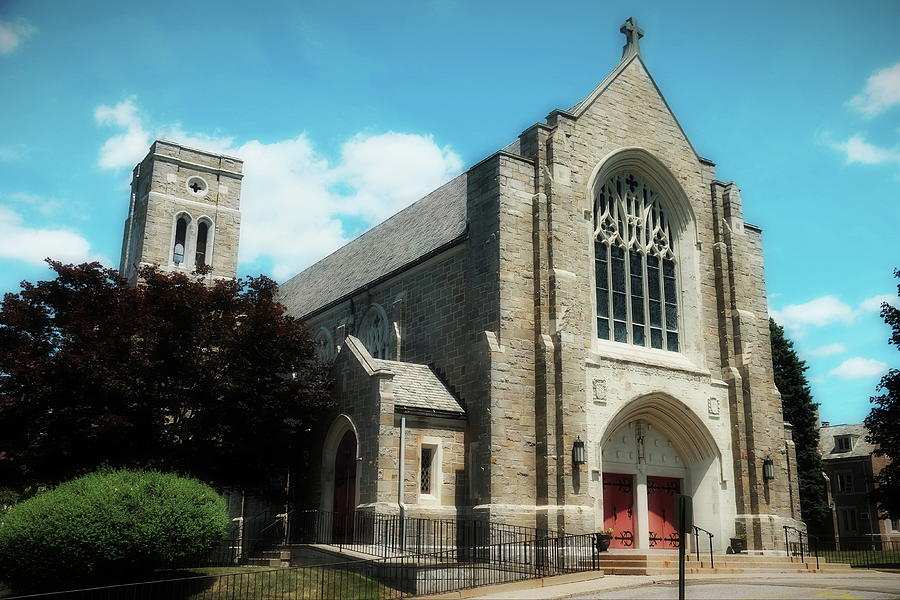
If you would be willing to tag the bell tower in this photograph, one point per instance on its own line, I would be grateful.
(184, 212)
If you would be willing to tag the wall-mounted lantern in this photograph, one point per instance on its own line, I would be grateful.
(578, 452)
(768, 469)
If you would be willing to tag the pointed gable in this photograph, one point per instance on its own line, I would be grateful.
(630, 94)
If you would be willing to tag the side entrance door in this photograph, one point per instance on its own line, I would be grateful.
(661, 508)
(618, 508)
(344, 489)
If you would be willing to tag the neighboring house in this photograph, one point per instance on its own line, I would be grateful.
(564, 336)
(850, 468)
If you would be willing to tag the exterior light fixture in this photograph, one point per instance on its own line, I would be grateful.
(578, 452)
(768, 469)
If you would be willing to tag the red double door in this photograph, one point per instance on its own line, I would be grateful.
(618, 510)
(661, 511)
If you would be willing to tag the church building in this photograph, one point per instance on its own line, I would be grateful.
(564, 336)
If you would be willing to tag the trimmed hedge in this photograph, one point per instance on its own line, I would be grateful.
(108, 527)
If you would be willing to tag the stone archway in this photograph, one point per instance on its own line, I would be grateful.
(340, 476)
(654, 448)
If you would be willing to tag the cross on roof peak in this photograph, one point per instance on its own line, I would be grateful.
(633, 33)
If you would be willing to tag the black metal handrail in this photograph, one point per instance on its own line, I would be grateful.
(800, 535)
(710, 536)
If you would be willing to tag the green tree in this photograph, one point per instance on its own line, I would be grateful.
(213, 380)
(883, 422)
(801, 412)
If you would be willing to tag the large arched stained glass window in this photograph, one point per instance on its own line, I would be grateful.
(637, 292)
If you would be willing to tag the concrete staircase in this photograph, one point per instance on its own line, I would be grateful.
(652, 563)
(270, 558)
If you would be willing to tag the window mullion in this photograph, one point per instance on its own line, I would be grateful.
(646, 280)
(629, 322)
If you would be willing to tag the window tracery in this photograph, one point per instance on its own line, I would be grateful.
(375, 333)
(325, 350)
(634, 252)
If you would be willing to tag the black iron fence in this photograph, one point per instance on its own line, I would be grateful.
(380, 578)
(869, 553)
(872, 552)
(390, 535)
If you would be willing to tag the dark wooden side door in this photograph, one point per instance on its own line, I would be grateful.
(344, 488)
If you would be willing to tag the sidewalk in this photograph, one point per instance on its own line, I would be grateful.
(566, 586)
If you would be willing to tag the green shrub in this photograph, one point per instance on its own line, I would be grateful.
(107, 527)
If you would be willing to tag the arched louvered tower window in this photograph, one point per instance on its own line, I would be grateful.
(201, 253)
(178, 249)
(637, 288)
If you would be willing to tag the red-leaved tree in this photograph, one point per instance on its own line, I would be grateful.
(208, 379)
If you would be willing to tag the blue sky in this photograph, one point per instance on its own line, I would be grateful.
(799, 102)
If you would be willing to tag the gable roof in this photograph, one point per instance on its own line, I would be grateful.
(418, 387)
(425, 227)
(828, 447)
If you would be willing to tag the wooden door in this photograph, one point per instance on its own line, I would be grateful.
(661, 508)
(618, 508)
(344, 503)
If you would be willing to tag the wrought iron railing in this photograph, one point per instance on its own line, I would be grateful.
(389, 535)
(379, 578)
(867, 553)
(801, 547)
(709, 536)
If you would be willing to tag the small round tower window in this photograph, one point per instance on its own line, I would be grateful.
(196, 185)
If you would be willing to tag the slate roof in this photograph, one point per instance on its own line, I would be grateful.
(424, 226)
(828, 448)
(417, 386)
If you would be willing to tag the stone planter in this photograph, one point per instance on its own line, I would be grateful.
(738, 545)
(602, 541)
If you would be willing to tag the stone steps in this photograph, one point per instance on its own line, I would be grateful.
(270, 558)
(667, 564)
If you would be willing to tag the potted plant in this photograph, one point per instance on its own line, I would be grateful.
(738, 544)
(603, 539)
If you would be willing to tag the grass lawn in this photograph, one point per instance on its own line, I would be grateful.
(286, 584)
(228, 583)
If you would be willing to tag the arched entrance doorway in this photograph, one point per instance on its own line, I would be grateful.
(652, 450)
(340, 477)
(344, 497)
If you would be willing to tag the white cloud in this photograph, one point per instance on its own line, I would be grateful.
(7, 153)
(874, 303)
(293, 200)
(125, 149)
(817, 312)
(857, 368)
(33, 245)
(829, 349)
(13, 33)
(858, 150)
(882, 91)
(370, 165)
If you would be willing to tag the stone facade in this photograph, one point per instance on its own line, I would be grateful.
(492, 282)
(160, 193)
